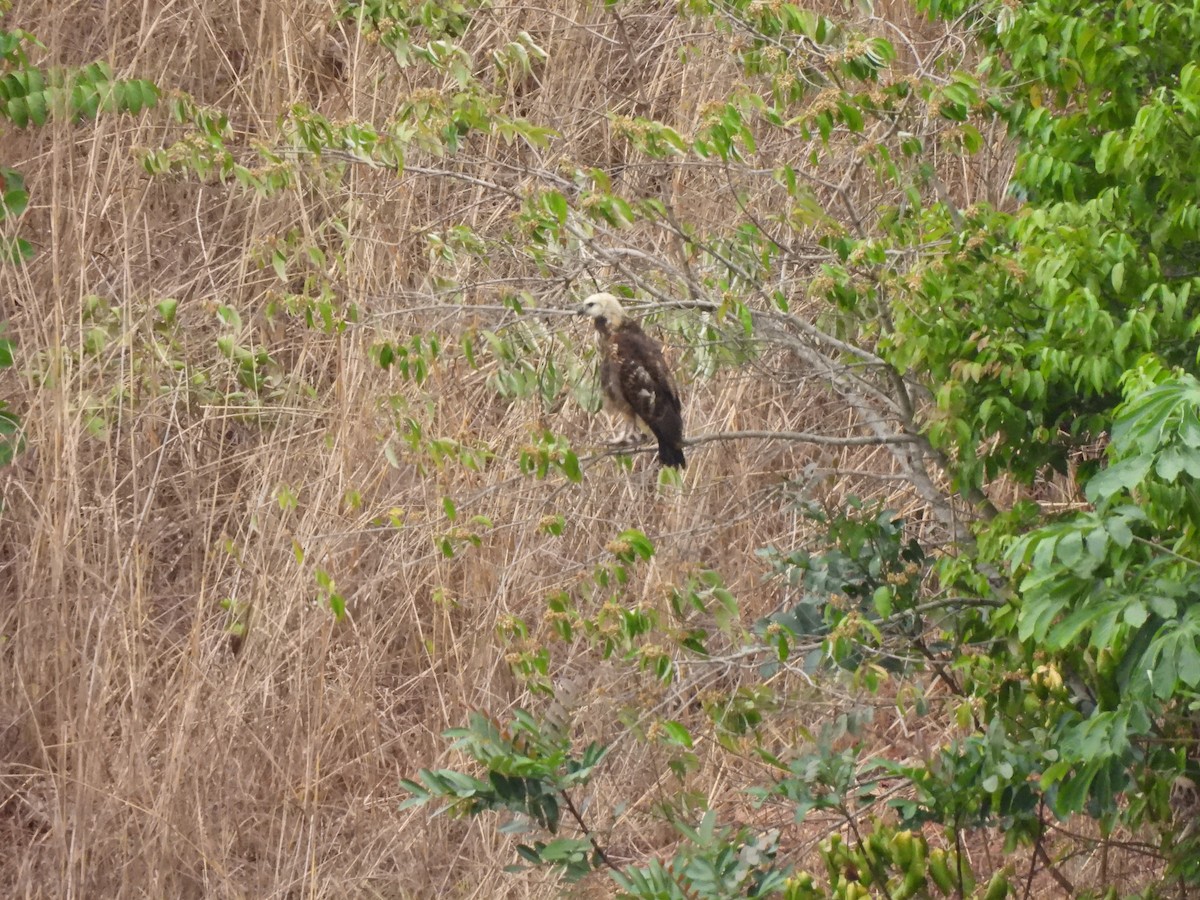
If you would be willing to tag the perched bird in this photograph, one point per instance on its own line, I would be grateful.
(634, 376)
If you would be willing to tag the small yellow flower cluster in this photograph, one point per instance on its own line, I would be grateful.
(712, 110)
(905, 575)
(426, 97)
(826, 100)
(773, 58)
(618, 547)
(865, 149)
(1011, 267)
(822, 284)
(1047, 677)
(625, 127)
(853, 50)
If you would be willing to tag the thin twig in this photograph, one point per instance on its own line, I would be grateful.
(587, 832)
(803, 437)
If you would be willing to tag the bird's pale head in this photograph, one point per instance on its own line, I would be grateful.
(604, 309)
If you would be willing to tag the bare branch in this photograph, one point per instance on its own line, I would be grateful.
(803, 437)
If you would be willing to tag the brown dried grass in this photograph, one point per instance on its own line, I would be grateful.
(140, 756)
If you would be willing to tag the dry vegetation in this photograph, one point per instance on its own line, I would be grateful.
(140, 755)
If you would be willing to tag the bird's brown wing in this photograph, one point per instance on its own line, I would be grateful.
(645, 381)
(647, 386)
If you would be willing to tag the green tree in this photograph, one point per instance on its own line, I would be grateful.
(1049, 331)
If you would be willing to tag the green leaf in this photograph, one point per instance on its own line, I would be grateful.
(1119, 530)
(638, 542)
(419, 797)
(10, 441)
(1189, 660)
(1121, 476)
(677, 734)
(561, 849)
(337, 603)
(882, 598)
(386, 356)
(1070, 549)
(1163, 607)
(15, 202)
(1065, 632)
(1136, 614)
(570, 467)
(557, 204)
(229, 316)
(167, 309)
(1174, 460)
(14, 250)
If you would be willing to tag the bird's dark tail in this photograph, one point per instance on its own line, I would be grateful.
(670, 455)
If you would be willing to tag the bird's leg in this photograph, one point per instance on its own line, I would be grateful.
(619, 437)
(636, 436)
(627, 435)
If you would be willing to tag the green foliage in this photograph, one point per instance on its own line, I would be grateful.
(307, 265)
(431, 452)
(414, 360)
(526, 364)
(1073, 321)
(714, 862)
(530, 772)
(29, 97)
(205, 152)
(11, 441)
(862, 589)
(328, 595)
(599, 613)
(1030, 320)
(32, 96)
(13, 201)
(548, 451)
(416, 31)
(1107, 593)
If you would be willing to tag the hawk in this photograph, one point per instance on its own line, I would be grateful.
(634, 376)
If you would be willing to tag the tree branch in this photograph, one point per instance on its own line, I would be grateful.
(803, 437)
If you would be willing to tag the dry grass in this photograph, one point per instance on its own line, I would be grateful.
(139, 755)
